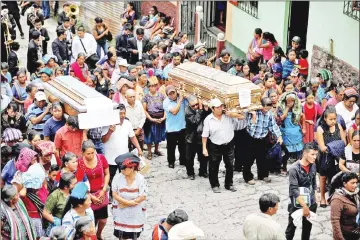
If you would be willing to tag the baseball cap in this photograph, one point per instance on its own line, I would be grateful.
(123, 62)
(47, 71)
(80, 191)
(40, 96)
(215, 103)
(170, 89)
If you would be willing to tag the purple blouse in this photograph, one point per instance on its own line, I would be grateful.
(154, 103)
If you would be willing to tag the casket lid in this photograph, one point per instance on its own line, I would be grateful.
(213, 78)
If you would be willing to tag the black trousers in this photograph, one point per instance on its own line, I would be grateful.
(17, 20)
(306, 225)
(256, 149)
(112, 169)
(191, 150)
(240, 148)
(216, 153)
(173, 139)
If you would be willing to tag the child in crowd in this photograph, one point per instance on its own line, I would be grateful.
(303, 64)
(52, 184)
(31, 89)
(312, 110)
(39, 65)
(277, 69)
(261, 75)
(149, 68)
(5, 71)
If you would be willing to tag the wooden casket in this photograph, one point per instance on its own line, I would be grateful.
(92, 108)
(207, 83)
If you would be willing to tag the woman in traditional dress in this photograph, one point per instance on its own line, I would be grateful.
(129, 190)
(154, 127)
(289, 113)
(15, 221)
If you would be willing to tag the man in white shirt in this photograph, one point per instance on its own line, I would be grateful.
(259, 226)
(115, 139)
(136, 115)
(87, 40)
(217, 136)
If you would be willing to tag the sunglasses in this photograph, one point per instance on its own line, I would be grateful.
(196, 104)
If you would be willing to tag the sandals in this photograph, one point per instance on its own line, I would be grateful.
(158, 153)
(149, 156)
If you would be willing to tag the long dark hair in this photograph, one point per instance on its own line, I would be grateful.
(278, 50)
(269, 37)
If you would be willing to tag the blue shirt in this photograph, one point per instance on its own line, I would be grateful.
(265, 122)
(21, 95)
(174, 123)
(51, 126)
(8, 172)
(35, 111)
(8, 76)
(287, 68)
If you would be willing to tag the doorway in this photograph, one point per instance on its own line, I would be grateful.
(220, 15)
(298, 21)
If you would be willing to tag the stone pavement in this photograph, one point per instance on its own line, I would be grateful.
(220, 216)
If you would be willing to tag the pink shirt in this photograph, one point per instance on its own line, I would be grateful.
(332, 102)
(267, 52)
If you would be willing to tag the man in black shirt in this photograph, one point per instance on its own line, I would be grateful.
(60, 47)
(195, 113)
(302, 187)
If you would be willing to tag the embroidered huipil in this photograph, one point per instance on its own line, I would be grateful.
(129, 219)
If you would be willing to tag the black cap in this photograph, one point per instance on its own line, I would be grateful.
(121, 158)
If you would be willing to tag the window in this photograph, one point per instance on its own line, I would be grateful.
(352, 9)
(250, 7)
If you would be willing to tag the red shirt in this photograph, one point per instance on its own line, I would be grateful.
(306, 168)
(30, 206)
(304, 64)
(309, 112)
(68, 141)
(96, 176)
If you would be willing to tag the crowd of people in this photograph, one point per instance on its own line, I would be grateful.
(60, 182)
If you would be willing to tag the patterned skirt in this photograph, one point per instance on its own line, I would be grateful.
(37, 223)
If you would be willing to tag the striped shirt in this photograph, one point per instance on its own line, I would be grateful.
(71, 218)
(265, 122)
(33, 112)
(159, 232)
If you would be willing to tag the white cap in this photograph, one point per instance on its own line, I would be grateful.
(123, 62)
(185, 231)
(40, 96)
(215, 102)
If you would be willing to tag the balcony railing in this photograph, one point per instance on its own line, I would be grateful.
(352, 9)
(250, 7)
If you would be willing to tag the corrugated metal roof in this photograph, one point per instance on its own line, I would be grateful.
(109, 11)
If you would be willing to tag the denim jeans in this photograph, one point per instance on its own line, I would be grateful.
(45, 4)
(103, 46)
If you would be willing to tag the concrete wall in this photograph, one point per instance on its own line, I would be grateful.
(240, 25)
(327, 21)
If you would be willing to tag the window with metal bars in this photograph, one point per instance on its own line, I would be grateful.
(352, 9)
(250, 7)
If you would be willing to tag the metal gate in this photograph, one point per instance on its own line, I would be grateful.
(187, 17)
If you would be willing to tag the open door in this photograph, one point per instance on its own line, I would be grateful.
(220, 15)
(298, 21)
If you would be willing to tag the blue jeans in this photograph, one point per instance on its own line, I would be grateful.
(103, 46)
(45, 5)
(99, 146)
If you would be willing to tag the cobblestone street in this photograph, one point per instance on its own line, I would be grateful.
(220, 216)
